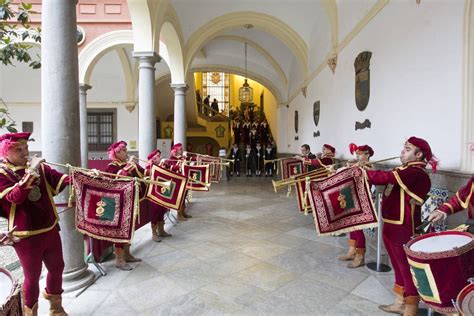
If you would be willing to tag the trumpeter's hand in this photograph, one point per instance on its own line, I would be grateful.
(437, 216)
(35, 161)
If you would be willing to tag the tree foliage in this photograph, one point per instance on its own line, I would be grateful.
(15, 29)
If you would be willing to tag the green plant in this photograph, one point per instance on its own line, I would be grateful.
(15, 29)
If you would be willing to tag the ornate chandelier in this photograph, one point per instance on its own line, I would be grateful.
(246, 91)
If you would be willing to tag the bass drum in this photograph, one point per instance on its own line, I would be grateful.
(10, 295)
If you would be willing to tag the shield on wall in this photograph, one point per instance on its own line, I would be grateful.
(296, 122)
(316, 112)
(362, 80)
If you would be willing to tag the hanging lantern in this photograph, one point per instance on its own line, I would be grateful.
(246, 91)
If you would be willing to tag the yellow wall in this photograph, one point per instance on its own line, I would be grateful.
(236, 82)
(198, 82)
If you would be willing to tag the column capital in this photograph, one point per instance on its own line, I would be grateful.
(83, 87)
(148, 56)
(181, 87)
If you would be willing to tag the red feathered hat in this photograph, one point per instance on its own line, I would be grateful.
(327, 146)
(367, 149)
(153, 154)
(15, 137)
(425, 149)
(116, 144)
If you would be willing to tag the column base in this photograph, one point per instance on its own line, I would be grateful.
(77, 279)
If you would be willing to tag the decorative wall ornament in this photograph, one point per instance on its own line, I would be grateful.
(168, 131)
(130, 107)
(215, 77)
(296, 122)
(332, 63)
(316, 112)
(365, 124)
(316, 134)
(220, 130)
(297, 138)
(362, 80)
(303, 91)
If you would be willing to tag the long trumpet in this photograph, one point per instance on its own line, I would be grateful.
(202, 155)
(265, 161)
(159, 183)
(316, 174)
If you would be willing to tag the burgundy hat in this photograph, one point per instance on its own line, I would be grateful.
(177, 146)
(367, 149)
(425, 149)
(116, 144)
(327, 146)
(15, 137)
(153, 153)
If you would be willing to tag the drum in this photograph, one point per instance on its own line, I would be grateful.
(10, 295)
(465, 300)
(441, 264)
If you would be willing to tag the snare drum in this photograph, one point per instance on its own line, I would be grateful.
(440, 264)
(465, 300)
(10, 295)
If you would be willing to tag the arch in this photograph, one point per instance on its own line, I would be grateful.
(142, 24)
(175, 61)
(91, 54)
(333, 16)
(262, 51)
(128, 75)
(266, 23)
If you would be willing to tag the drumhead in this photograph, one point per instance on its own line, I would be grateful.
(6, 286)
(439, 243)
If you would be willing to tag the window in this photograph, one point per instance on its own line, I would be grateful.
(100, 130)
(216, 85)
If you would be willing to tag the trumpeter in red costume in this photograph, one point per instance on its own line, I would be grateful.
(26, 201)
(406, 190)
(122, 165)
(356, 251)
(324, 159)
(174, 163)
(157, 211)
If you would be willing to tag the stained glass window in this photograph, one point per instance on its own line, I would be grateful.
(216, 85)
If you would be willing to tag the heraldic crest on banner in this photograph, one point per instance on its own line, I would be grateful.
(214, 167)
(198, 177)
(106, 208)
(342, 203)
(291, 167)
(169, 197)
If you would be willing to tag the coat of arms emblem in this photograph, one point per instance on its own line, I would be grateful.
(362, 80)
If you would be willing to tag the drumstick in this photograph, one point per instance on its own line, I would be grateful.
(8, 233)
(424, 226)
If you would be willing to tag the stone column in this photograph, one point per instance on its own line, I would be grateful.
(60, 122)
(180, 113)
(83, 123)
(146, 102)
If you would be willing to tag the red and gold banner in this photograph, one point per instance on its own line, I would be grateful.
(106, 208)
(214, 163)
(342, 203)
(198, 177)
(291, 167)
(304, 205)
(172, 196)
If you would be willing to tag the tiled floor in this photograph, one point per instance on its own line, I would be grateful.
(246, 251)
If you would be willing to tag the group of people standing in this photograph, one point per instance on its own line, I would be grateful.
(258, 146)
(27, 185)
(406, 188)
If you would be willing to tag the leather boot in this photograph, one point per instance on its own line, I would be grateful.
(55, 304)
(181, 216)
(351, 252)
(128, 255)
(30, 311)
(358, 260)
(186, 215)
(120, 261)
(397, 307)
(161, 230)
(411, 307)
(154, 233)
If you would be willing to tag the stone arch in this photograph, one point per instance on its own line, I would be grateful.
(169, 37)
(264, 22)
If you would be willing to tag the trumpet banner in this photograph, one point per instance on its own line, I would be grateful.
(169, 197)
(291, 167)
(214, 167)
(342, 203)
(303, 199)
(198, 173)
(106, 208)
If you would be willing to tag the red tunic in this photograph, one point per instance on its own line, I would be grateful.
(406, 190)
(463, 199)
(173, 163)
(29, 217)
(321, 162)
(128, 169)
